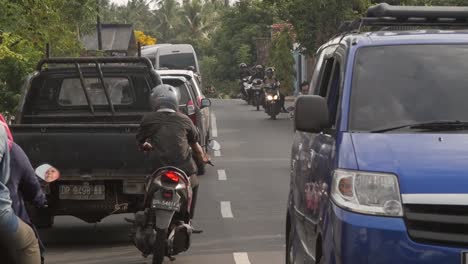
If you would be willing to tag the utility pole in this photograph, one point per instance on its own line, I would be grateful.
(98, 26)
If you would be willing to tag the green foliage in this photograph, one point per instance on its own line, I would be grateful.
(315, 21)
(26, 27)
(234, 41)
(282, 59)
(208, 66)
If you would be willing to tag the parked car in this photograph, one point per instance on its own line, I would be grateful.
(197, 106)
(379, 159)
(82, 115)
(183, 86)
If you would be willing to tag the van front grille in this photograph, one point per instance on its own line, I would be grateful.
(437, 224)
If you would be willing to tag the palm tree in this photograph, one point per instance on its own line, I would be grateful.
(167, 18)
(200, 19)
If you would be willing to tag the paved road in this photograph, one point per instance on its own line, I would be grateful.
(241, 205)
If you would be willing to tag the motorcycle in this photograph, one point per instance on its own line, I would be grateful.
(256, 94)
(245, 89)
(272, 103)
(163, 226)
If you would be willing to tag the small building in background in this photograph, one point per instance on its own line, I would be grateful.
(117, 40)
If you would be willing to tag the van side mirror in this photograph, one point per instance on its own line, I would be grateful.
(311, 114)
(205, 102)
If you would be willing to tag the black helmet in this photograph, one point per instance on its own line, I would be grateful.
(164, 96)
(269, 72)
(242, 66)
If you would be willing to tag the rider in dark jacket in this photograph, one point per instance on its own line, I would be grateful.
(270, 79)
(244, 71)
(171, 136)
(24, 186)
(259, 73)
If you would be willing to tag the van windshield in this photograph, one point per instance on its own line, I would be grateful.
(407, 84)
(179, 61)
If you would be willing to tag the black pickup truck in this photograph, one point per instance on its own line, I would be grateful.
(82, 115)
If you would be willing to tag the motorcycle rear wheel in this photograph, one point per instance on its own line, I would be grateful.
(160, 246)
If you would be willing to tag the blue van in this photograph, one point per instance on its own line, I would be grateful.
(379, 167)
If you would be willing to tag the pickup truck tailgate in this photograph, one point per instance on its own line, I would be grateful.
(98, 150)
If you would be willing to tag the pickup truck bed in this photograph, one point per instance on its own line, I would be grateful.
(81, 115)
(94, 154)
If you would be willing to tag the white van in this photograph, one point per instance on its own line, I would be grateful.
(172, 57)
(151, 52)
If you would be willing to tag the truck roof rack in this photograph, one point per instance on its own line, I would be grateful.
(97, 61)
(385, 15)
(94, 60)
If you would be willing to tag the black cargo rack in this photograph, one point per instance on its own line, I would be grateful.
(385, 15)
(97, 61)
(94, 60)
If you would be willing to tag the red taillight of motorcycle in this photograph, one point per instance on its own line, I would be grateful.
(170, 176)
(191, 112)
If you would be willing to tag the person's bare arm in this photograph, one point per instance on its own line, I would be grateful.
(199, 154)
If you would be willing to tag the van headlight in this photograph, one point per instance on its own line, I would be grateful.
(367, 192)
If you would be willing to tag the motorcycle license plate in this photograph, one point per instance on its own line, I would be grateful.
(85, 191)
(172, 204)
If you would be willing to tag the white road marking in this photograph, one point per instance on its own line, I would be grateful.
(217, 153)
(214, 129)
(222, 175)
(241, 258)
(226, 211)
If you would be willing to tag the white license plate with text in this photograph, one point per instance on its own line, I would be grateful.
(82, 192)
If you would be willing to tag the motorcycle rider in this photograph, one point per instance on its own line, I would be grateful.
(259, 72)
(243, 73)
(271, 80)
(18, 243)
(171, 137)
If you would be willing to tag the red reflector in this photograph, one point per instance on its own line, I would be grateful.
(191, 112)
(167, 194)
(172, 176)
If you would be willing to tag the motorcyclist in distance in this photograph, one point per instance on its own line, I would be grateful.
(243, 71)
(259, 72)
(271, 81)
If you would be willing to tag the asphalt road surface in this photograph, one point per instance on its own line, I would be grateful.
(241, 205)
